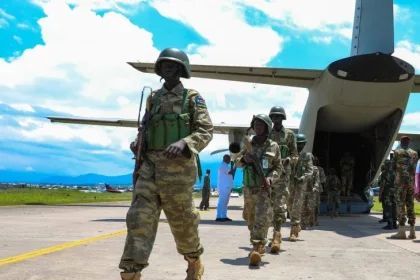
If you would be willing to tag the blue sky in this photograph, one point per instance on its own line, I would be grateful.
(63, 58)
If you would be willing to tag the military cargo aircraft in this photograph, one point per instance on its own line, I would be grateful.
(356, 104)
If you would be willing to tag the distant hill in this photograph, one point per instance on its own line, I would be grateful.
(93, 179)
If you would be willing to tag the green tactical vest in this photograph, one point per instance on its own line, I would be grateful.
(284, 150)
(250, 176)
(166, 129)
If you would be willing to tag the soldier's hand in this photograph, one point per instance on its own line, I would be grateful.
(267, 182)
(248, 158)
(299, 179)
(175, 149)
(286, 160)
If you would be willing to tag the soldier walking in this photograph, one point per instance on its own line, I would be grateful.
(322, 180)
(169, 170)
(205, 192)
(266, 153)
(286, 140)
(333, 188)
(303, 172)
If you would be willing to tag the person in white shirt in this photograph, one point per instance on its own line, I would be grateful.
(224, 186)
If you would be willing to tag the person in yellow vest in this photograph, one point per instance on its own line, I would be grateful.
(178, 127)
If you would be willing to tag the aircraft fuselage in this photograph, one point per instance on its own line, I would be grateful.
(357, 105)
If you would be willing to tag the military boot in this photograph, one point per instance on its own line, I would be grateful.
(130, 275)
(195, 268)
(388, 226)
(294, 232)
(255, 256)
(312, 220)
(400, 234)
(412, 234)
(275, 244)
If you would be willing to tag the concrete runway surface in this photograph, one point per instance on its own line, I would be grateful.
(85, 242)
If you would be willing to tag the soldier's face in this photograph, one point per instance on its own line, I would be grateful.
(169, 69)
(259, 127)
(405, 142)
(277, 120)
(300, 146)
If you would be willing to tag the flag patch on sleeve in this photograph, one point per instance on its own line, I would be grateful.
(200, 102)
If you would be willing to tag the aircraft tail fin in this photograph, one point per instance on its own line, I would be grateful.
(373, 27)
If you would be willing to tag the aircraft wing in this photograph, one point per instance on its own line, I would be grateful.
(221, 128)
(301, 78)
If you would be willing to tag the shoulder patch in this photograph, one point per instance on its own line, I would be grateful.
(200, 102)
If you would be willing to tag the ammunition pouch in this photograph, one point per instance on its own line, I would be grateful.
(284, 151)
(251, 177)
(166, 129)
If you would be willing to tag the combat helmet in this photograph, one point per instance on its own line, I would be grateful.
(175, 55)
(300, 138)
(278, 110)
(265, 119)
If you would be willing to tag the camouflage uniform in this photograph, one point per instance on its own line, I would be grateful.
(404, 163)
(286, 140)
(389, 196)
(309, 199)
(258, 200)
(318, 194)
(168, 183)
(347, 174)
(205, 193)
(333, 188)
(302, 174)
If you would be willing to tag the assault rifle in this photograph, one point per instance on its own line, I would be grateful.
(141, 137)
(256, 164)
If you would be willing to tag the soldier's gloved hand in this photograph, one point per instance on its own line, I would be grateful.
(175, 149)
(248, 158)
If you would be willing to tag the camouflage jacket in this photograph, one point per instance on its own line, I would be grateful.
(332, 184)
(386, 181)
(314, 183)
(304, 167)
(347, 165)
(271, 158)
(404, 164)
(321, 177)
(202, 126)
(286, 140)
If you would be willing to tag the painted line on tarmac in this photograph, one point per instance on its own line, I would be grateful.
(49, 250)
(59, 247)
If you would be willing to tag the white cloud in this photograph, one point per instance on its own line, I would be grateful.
(89, 52)
(4, 14)
(22, 107)
(3, 23)
(324, 39)
(409, 52)
(30, 168)
(17, 39)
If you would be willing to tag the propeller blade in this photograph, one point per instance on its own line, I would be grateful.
(219, 151)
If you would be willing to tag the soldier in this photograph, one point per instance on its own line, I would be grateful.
(389, 197)
(333, 188)
(303, 172)
(404, 165)
(381, 196)
(169, 169)
(320, 190)
(256, 193)
(309, 199)
(286, 140)
(347, 173)
(205, 192)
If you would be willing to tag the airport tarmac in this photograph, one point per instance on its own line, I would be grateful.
(85, 242)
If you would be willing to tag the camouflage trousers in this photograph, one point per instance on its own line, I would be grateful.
(347, 183)
(297, 203)
(175, 197)
(406, 200)
(279, 197)
(333, 202)
(389, 204)
(318, 205)
(308, 207)
(205, 198)
(258, 207)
